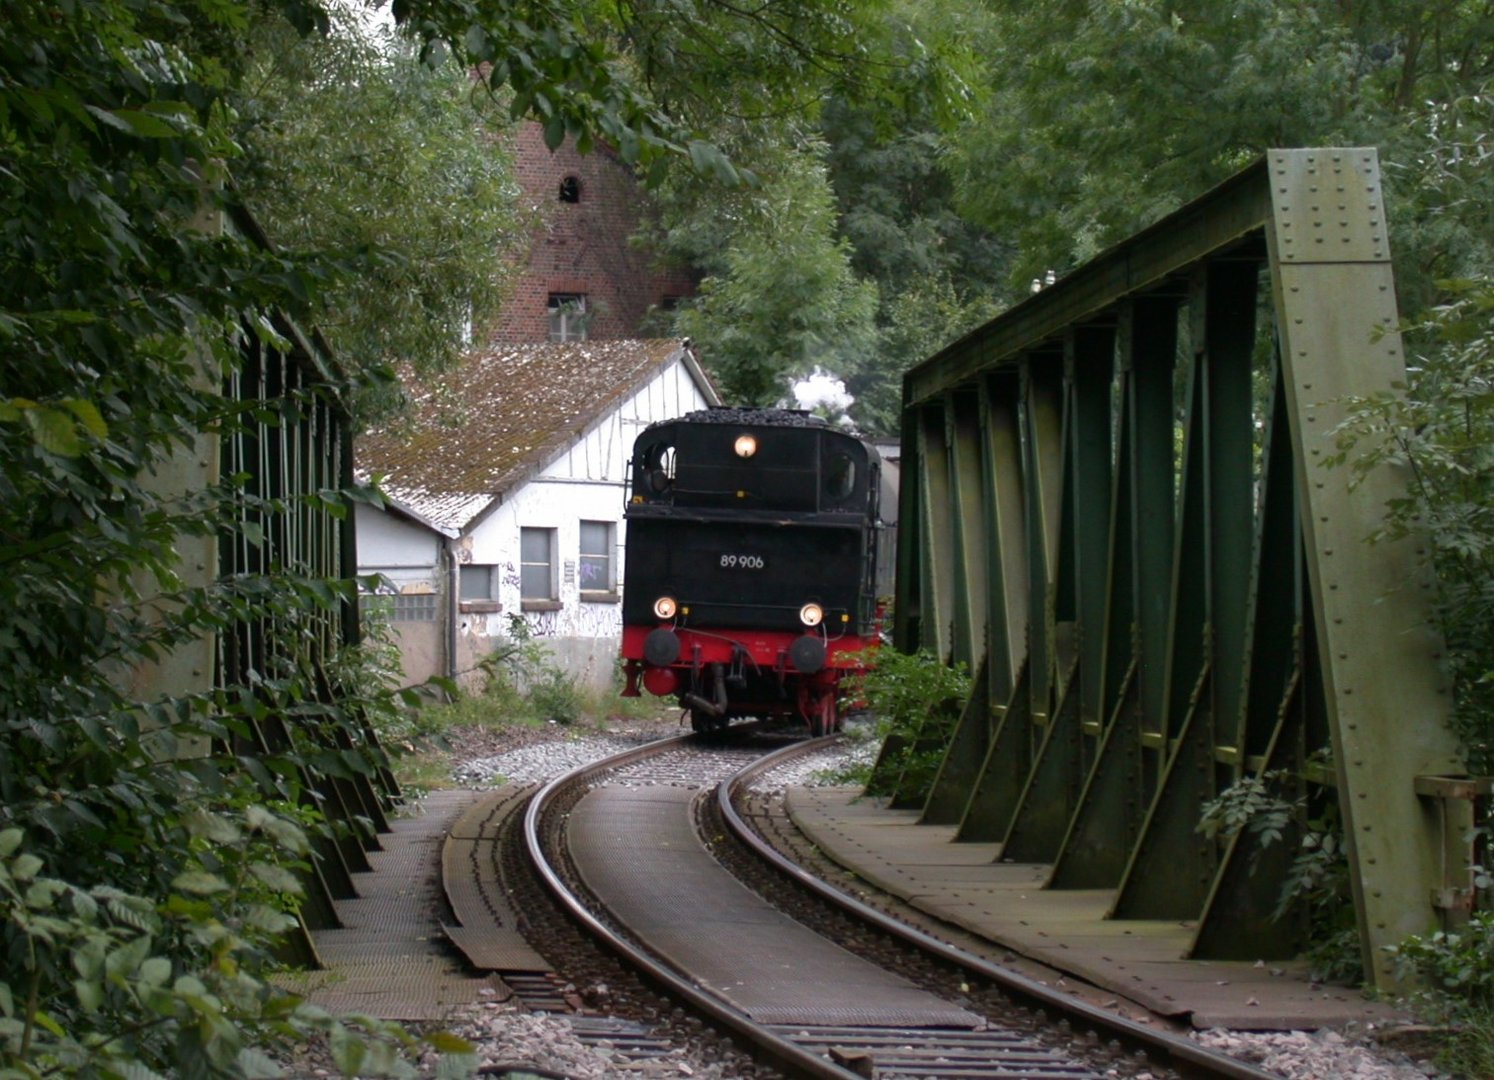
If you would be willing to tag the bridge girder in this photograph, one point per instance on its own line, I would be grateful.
(1117, 511)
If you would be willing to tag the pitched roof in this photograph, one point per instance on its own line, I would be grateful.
(499, 417)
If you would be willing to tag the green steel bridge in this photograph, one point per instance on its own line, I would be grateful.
(1117, 510)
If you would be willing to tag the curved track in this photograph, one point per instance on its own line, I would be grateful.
(619, 846)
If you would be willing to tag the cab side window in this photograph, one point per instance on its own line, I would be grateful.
(840, 476)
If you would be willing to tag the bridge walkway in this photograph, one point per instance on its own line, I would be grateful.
(1142, 960)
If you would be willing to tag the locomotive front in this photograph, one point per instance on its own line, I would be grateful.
(750, 573)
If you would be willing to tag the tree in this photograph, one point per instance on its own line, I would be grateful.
(938, 273)
(1101, 117)
(142, 890)
(389, 172)
(778, 297)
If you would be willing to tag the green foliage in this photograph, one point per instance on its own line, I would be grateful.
(1456, 966)
(778, 297)
(1249, 805)
(916, 700)
(392, 173)
(1101, 117)
(97, 986)
(521, 671)
(1456, 971)
(914, 323)
(1317, 880)
(151, 834)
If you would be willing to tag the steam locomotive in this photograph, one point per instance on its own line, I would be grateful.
(752, 571)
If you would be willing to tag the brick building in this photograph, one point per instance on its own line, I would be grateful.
(584, 279)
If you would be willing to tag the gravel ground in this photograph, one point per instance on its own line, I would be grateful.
(503, 1034)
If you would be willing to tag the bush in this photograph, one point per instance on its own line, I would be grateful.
(916, 700)
(1456, 967)
(1317, 882)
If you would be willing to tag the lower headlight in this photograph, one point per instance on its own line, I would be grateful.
(665, 607)
(811, 614)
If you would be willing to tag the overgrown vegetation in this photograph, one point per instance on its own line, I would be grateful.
(1456, 967)
(152, 830)
(916, 701)
(1316, 885)
(519, 685)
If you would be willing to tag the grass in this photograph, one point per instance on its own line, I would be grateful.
(421, 747)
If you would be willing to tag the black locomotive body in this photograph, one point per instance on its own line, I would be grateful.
(751, 572)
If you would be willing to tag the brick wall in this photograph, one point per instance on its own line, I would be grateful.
(582, 246)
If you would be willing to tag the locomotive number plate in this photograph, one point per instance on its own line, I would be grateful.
(730, 561)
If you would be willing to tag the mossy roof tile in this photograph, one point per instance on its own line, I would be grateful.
(500, 416)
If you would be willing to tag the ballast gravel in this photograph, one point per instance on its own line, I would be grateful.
(506, 1035)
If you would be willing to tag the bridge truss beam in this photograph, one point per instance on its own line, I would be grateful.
(1117, 512)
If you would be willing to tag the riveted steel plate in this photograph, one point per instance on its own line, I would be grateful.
(637, 850)
(1329, 206)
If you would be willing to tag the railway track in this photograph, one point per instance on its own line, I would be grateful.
(647, 852)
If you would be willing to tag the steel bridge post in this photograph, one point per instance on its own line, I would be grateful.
(1335, 301)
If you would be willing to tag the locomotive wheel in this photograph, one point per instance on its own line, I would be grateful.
(822, 718)
(702, 722)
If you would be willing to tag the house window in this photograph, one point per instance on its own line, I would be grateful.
(570, 190)
(537, 569)
(476, 582)
(567, 316)
(475, 587)
(399, 607)
(598, 570)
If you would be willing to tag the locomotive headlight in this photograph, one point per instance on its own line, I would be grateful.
(745, 446)
(811, 614)
(665, 607)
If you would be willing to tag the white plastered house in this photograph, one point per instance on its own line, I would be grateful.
(505, 490)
